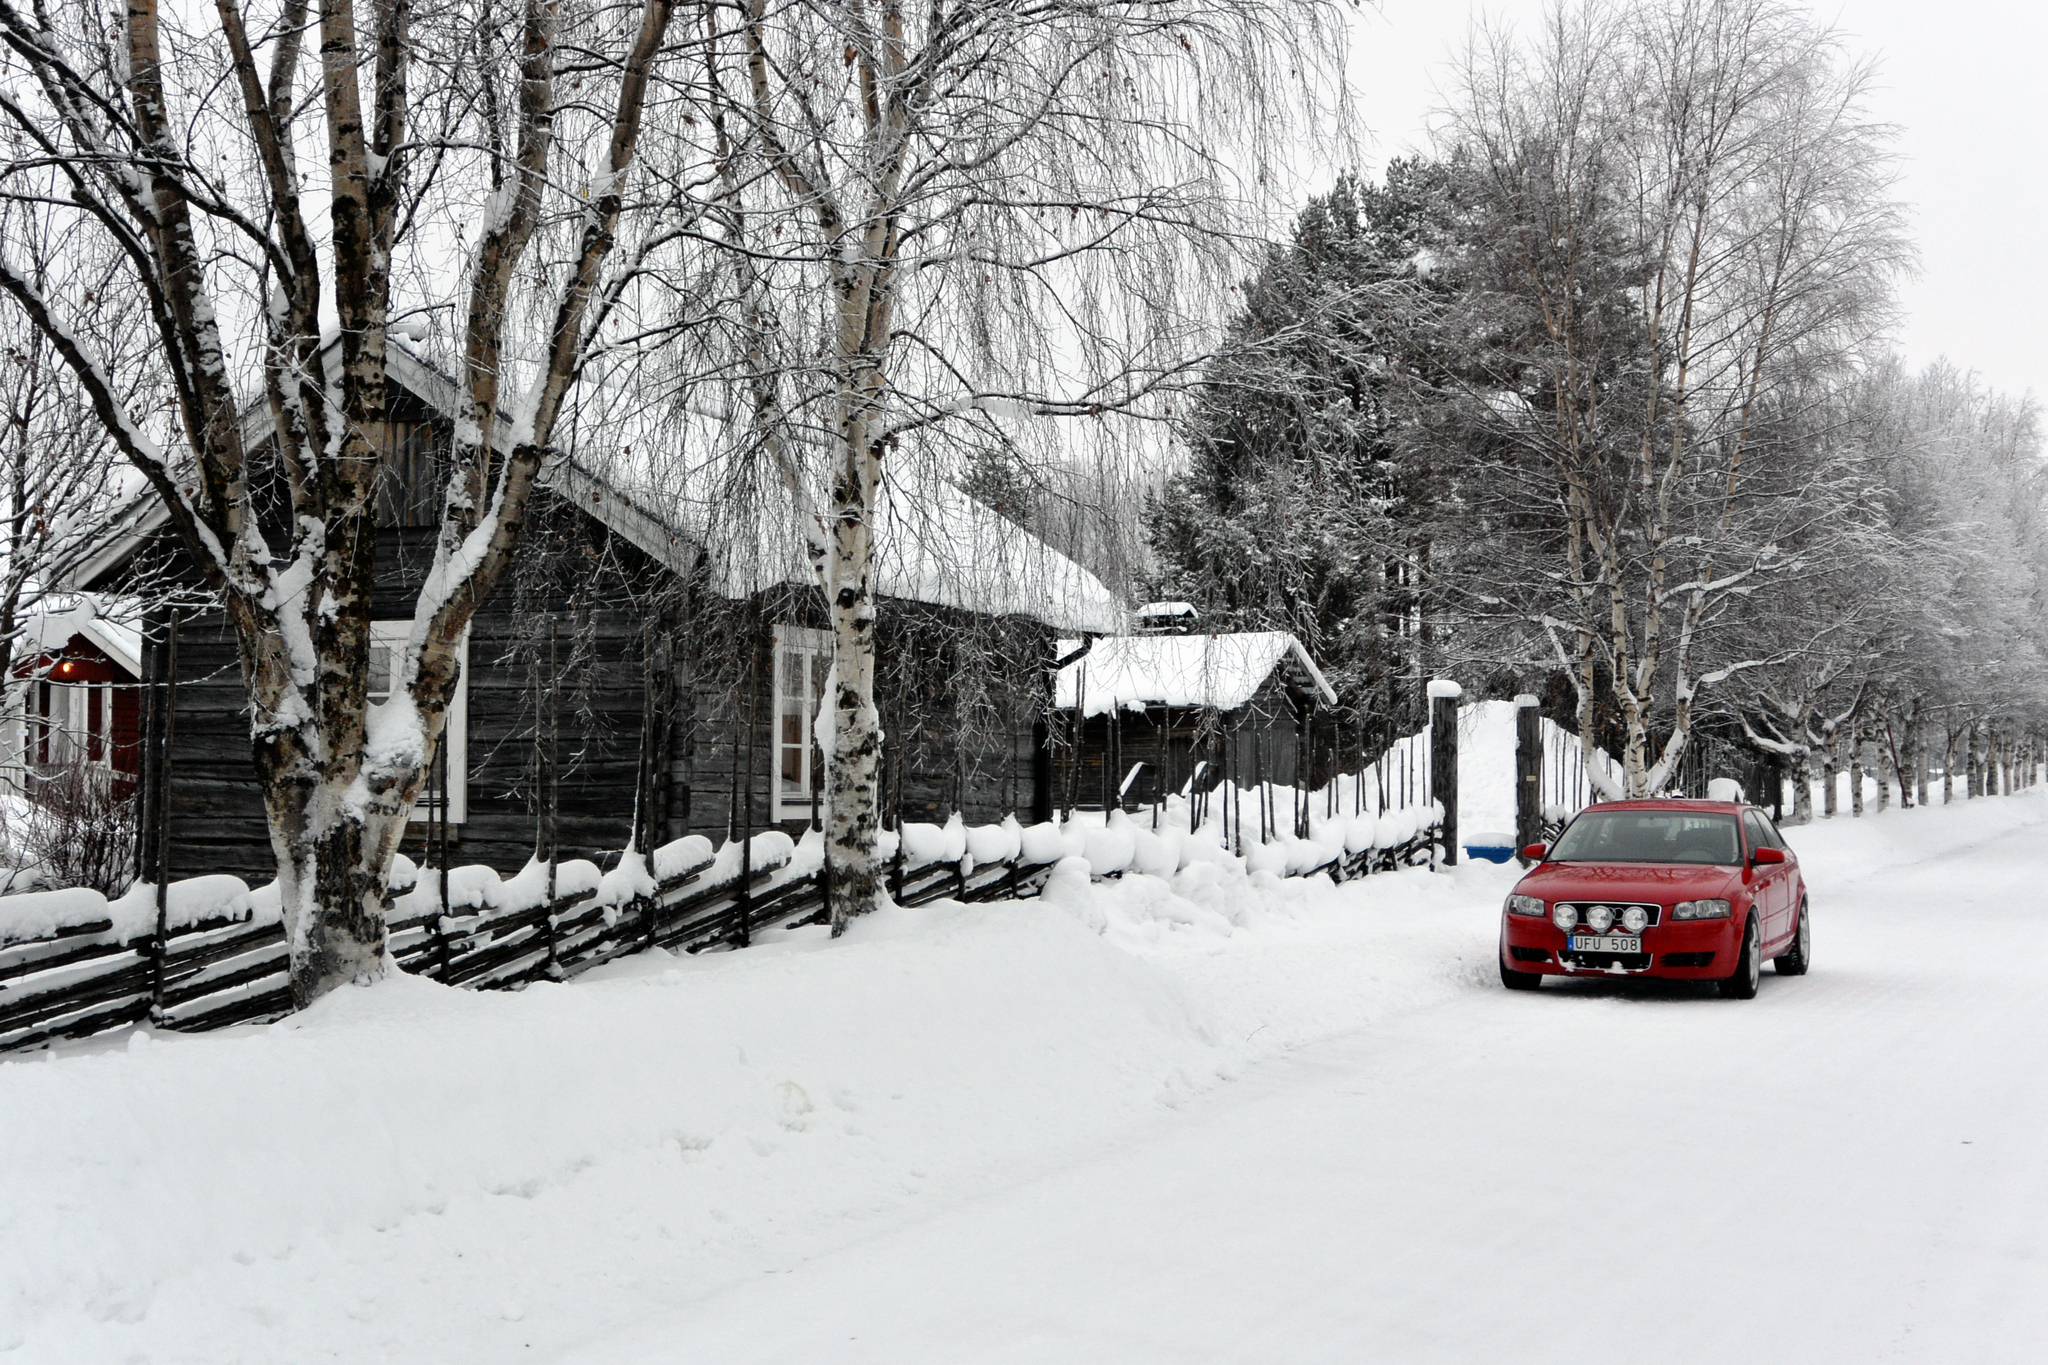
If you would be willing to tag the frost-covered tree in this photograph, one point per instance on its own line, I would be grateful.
(962, 226)
(1306, 502)
(1683, 219)
(283, 189)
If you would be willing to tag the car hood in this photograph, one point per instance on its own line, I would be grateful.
(1655, 882)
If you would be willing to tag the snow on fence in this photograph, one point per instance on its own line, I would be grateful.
(73, 963)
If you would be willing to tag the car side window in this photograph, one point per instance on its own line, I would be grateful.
(1753, 826)
(1771, 833)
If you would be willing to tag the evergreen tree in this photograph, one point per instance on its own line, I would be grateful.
(1305, 504)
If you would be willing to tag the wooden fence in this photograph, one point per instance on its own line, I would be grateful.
(83, 979)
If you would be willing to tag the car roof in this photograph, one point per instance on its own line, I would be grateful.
(1667, 803)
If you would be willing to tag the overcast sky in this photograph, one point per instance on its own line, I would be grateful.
(1962, 80)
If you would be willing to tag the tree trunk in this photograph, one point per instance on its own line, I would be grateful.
(854, 801)
(1802, 789)
(1828, 797)
(1856, 770)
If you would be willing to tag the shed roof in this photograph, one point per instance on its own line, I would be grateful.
(1222, 672)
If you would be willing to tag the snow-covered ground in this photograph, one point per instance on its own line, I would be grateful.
(1260, 1121)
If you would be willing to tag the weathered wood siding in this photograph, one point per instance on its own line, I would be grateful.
(1261, 740)
(960, 697)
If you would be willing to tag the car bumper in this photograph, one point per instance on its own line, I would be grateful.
(1698, 951)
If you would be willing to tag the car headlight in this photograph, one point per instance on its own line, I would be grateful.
(1700, 910)
(1526, 905)
(1599, 918)
(1634, 918)
(1564, 917)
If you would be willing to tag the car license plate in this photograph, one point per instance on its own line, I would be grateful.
(1607, 943)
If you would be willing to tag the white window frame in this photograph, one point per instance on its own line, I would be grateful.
(392, 635)
(811, 644)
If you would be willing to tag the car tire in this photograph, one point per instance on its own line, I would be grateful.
(1519, 981)
(1749, 964)
(1800, 958)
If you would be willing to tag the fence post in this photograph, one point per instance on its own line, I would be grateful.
(159, 949)
(1443, 760)
(1528, 774)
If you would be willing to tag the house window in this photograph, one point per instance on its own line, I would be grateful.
(70, 723)
(802, 659)
(387, 638)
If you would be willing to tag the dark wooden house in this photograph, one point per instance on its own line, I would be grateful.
(627, 670)
(77, 709)
(1144, 715)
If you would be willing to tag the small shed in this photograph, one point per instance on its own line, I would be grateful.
(1145, 715)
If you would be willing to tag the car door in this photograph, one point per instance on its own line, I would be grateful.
(1767, 881)
(1788, 875)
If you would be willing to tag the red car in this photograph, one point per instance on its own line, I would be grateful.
(1690, 890)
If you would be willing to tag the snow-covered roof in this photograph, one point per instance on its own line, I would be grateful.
(933, 543)
(1167, 609)
(49, 631)
(1218, 671)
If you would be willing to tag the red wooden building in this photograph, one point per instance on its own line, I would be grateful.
(77, 702)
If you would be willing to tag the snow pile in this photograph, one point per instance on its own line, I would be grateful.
(428, 1173)
(40, 914)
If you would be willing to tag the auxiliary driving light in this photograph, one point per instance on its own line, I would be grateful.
(1564, 917)
(1599, 918)
(1634, 918)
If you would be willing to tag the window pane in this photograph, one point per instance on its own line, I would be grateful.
(380, 672)
(792, 770)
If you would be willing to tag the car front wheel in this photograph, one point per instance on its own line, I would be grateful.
(1800, 958)
(1749, 965)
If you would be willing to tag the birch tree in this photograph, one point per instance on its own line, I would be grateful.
(285, 188)
(1687, 211)
(954, 221)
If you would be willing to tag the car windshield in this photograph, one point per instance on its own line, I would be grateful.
(1648, 836)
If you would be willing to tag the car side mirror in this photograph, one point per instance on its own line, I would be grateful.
(1766, 857)
(1534, 852)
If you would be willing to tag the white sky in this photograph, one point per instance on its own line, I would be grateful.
(1962, 80)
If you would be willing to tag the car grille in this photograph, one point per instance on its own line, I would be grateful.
(1522, 954)
(1655, 912)
(1688, 959)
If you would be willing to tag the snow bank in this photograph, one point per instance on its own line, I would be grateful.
(1846, 849)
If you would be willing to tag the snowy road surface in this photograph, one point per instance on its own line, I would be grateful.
(1852, 1167)
(1234, 1121)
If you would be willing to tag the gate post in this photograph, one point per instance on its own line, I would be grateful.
(1528, 774)
(1443, 760)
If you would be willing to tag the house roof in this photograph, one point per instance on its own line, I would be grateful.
(1222, 672)
(933, 543)
(51, 632)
